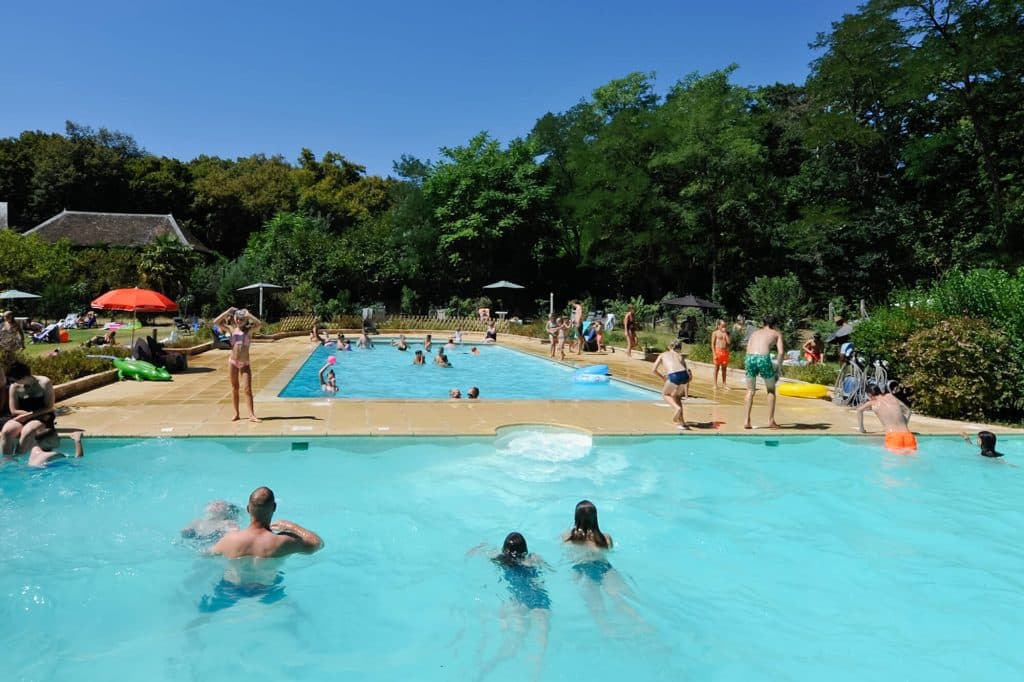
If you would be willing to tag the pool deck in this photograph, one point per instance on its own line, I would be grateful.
(198, 403)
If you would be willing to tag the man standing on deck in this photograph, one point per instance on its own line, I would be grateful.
(264, 539)
(759, 363)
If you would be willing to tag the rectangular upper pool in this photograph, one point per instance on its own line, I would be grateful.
(499, 373)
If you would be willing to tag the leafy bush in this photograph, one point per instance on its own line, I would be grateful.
(964, 368)
(883, 335)
(68, 365)
(818, 373)
(993, 295)
(782, 297)
(701, 352)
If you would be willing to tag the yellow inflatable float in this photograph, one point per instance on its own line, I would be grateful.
(802, 390)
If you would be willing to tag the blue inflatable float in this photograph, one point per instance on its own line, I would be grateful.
(594, 374)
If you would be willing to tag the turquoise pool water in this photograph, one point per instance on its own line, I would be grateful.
(499, 373)
(816, 559)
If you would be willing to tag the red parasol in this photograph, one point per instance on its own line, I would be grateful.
(135, 301)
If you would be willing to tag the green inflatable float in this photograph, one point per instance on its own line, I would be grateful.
(140, 370)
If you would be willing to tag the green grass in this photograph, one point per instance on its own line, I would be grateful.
(77, 337)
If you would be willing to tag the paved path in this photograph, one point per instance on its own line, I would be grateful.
(198, 403)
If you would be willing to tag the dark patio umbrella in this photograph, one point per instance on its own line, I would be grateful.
(261, 286)
(691, 301)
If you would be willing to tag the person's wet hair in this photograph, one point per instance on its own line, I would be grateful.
(514, 549)
(769, 321)
(18, 370)
(874, 389)
(987, 442)
(585, 527)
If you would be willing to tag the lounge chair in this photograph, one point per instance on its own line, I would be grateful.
(49, 334)
(182, 326)
(69, 322)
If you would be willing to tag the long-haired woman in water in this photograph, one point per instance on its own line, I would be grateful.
(585, 530)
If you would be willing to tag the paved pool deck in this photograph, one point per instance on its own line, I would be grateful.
(198, 403)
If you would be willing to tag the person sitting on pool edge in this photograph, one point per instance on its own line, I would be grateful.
(473, 393)
(418, 358)
(265, 538)
(894, 416)
(986, 443)
(328, 381)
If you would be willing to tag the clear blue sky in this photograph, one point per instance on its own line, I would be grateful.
(369, 80)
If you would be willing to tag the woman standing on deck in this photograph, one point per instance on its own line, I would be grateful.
(242, 324)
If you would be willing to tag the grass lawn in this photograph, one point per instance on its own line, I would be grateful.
(76, 337)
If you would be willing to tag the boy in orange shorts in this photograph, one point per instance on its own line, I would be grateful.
(720, 343)
(894, 416)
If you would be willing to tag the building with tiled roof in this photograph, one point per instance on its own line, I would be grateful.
(85, 228)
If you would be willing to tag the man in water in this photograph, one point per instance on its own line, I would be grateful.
(263, 538)
(759, 363)
(720, 343)
(418, 358)
(894, 416)
(474, 393)
(676, 377)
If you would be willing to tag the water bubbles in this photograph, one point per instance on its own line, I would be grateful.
(544, 444)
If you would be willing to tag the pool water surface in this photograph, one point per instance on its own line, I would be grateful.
(499, 373)
(734, 559)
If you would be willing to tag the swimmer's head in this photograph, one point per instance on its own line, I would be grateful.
(473, 393)
(262, 504)
(222, 509)
(987, 441)
(586, 516)
(48, 440)
(874, 390)
(769, 321)
(455, 393)
(514, 546)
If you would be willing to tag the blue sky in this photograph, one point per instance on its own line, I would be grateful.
(369, 80)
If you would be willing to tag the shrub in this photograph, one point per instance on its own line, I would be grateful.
(818, 373)
(993, 295)
(883, 335)
(701, 352)
(963, 368)
(73, 364)
(782, 297)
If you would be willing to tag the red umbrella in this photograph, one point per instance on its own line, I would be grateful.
(135, 301)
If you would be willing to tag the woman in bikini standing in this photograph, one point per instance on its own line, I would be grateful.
(242, 324)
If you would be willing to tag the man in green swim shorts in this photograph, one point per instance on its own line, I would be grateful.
(759, 363)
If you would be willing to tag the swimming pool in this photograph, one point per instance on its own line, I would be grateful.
(817, 558)
(499, 373)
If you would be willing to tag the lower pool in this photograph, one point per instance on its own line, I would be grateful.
(734, 559)
(499, 373)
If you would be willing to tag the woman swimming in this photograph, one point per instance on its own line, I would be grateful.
(522, 573)
(328, 382)
(242, 325)
(585, 530)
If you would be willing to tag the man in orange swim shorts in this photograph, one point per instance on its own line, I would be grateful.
(720, 342)
(894, 416)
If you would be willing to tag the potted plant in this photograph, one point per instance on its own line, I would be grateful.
(649, 345)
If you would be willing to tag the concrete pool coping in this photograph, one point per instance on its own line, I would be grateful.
(198, 403)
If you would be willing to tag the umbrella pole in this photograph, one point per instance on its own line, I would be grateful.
(261, 303)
